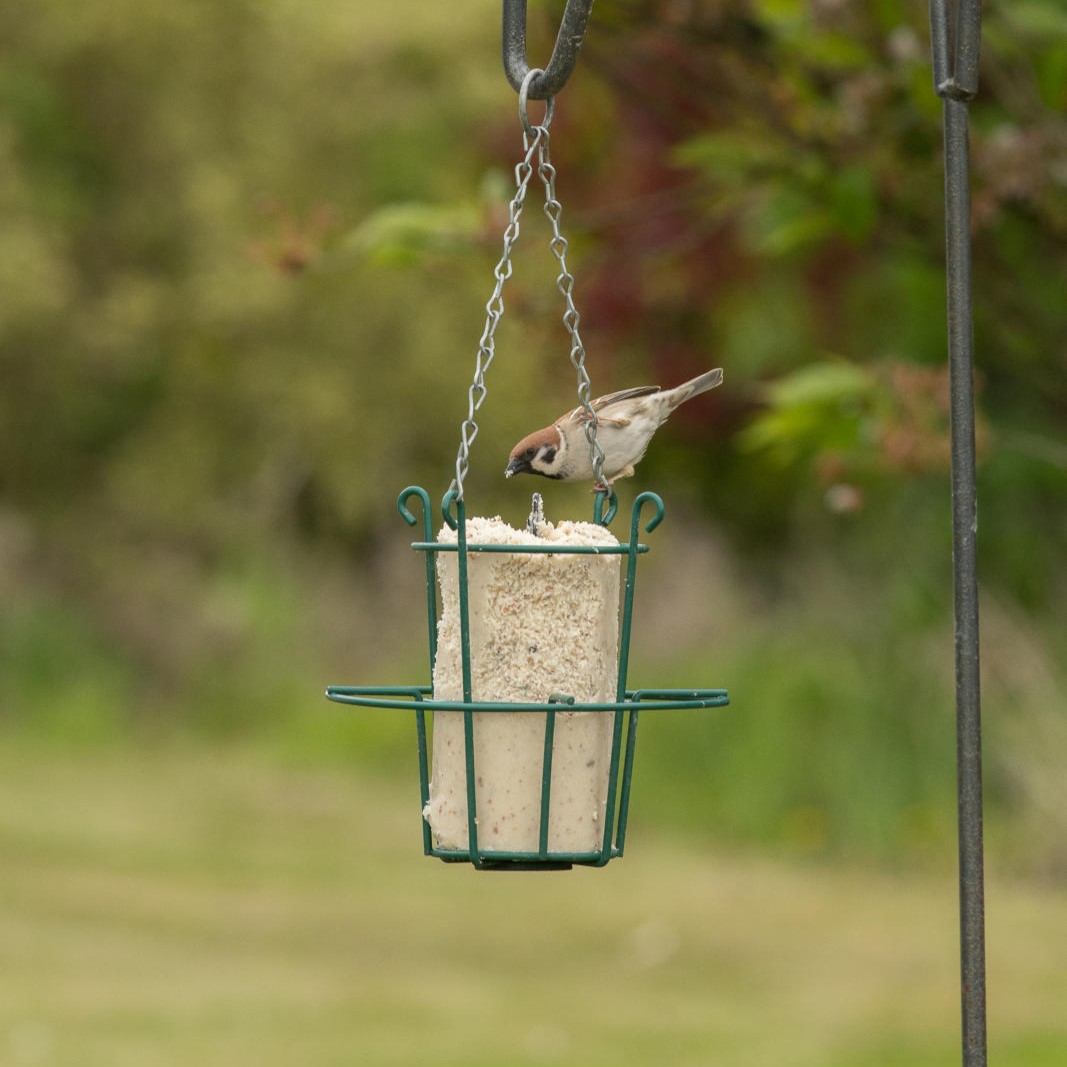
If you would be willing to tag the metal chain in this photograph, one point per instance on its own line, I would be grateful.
(535, 145)
(495, 307)
(565, 283)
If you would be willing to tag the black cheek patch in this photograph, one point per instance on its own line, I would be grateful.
(548, 455)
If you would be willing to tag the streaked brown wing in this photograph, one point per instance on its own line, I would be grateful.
(580, 415)
(624, 394)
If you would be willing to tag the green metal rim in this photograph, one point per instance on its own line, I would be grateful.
(525, 861)
(643, 699)
(533, 550)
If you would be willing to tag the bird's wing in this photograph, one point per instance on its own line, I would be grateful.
(602, 402)
(604, 417)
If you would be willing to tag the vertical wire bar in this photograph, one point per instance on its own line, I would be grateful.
(420, 715)
(613, 786)
(464, 597)
(546, 780)
(431, 561)
(431, 604)
(424, 774)
(465, 656)
(627, 611)
(620, 685)
(965, 574)
(431, 619)
(627, 774)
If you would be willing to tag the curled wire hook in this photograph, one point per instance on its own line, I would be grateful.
(409, 516)
(605, 497)
(635, 514)
(564, 53)
(448, 505)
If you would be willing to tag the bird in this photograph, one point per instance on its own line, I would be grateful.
(626, 421)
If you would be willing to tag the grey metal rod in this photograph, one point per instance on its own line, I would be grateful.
(956, 30)
(968, 41)
(955, 43)
(965, 574)
(939, 42)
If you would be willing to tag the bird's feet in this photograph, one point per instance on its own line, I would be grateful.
(605, 484)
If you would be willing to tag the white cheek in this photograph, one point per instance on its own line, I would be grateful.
(550, 467)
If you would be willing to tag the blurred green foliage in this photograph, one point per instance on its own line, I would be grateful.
(246, 249)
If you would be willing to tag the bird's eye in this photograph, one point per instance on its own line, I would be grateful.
(530, 453)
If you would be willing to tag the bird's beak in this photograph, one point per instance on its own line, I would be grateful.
(516, 465)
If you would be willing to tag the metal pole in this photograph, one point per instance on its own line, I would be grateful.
(957, 44)
(964, 554)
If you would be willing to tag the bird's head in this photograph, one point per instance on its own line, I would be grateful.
(539, 453)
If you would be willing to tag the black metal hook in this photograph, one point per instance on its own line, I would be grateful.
(564, 53)
(955, 47)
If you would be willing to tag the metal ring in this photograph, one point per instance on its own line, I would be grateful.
(524, 92)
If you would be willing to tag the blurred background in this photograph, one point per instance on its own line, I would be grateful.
(246, 251)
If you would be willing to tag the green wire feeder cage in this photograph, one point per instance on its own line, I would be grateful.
(526, 758)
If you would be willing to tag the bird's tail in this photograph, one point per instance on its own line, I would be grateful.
(698, 385)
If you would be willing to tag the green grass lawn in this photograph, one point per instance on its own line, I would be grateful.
(189, 908)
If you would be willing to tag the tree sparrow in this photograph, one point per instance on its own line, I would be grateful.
(626, 422)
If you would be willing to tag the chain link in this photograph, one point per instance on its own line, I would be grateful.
(495, 307)
(535, 140)
(565, 283)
